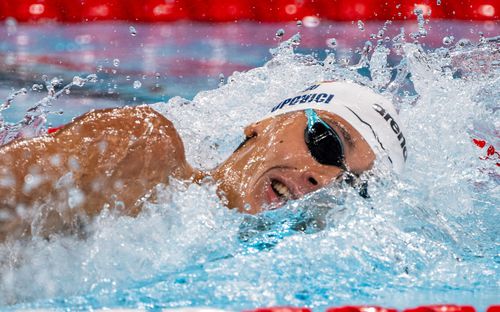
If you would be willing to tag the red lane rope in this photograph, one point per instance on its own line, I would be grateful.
(368, 308)
(233, 10)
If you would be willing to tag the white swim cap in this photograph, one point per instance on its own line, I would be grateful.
(372, 115)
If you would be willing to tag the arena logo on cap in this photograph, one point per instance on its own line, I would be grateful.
(395, 127)
(306, 98)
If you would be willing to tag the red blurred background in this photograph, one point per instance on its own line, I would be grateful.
(235, 10)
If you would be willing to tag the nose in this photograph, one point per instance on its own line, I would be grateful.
(311, 181)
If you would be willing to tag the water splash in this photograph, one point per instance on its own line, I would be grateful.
(33, 123)
(361, 26)
(431, 231)
(132, 31)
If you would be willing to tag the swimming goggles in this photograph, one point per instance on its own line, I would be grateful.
(325, 146)
(323, 142)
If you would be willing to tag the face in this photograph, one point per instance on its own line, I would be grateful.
(275, 164)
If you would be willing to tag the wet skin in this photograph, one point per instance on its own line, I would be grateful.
(276, 152)
(114, 158)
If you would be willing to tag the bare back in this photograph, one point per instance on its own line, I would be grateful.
(107, 158)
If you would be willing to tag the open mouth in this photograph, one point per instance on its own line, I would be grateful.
(281, 190)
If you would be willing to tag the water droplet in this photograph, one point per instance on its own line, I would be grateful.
(56, 81)
(361, 26)
(482, 39)
(296, 39)
(132, 31)
(137, 84)
(299, 23)
(99, 68)
(116, 62)
(222, 78)
(448, 40)
(462, 43)
(280, 33)
(127, 78)
(398, 6)
(344, 61)
(311, 21)
(78, 81)
(67, 91)
(157, 75)
(37, 87)
(438, 2)
(331, 43)
(92, 78)
(10, 21)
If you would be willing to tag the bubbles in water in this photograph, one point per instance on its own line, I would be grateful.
(116, 62)
(132, 31)
(331, 43)
(137, 84)
(361, 25)
(448, 40)
(280, 33)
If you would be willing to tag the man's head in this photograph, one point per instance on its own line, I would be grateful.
(307, 142)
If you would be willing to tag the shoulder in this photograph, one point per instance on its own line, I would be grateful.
(122, 122)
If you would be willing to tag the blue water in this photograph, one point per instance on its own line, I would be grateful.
(428, 236)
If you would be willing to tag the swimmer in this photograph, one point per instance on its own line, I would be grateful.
(328, 132)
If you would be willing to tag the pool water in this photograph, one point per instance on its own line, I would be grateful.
(428, 236)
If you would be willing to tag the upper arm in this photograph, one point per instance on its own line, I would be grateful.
(113, 153)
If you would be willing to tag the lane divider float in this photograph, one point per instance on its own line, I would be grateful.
(235, 10)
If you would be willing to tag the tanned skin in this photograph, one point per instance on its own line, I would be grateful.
(102, 158)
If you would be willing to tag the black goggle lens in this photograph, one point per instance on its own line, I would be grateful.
(324, 144)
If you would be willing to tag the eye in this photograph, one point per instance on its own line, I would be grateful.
(245, 141)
